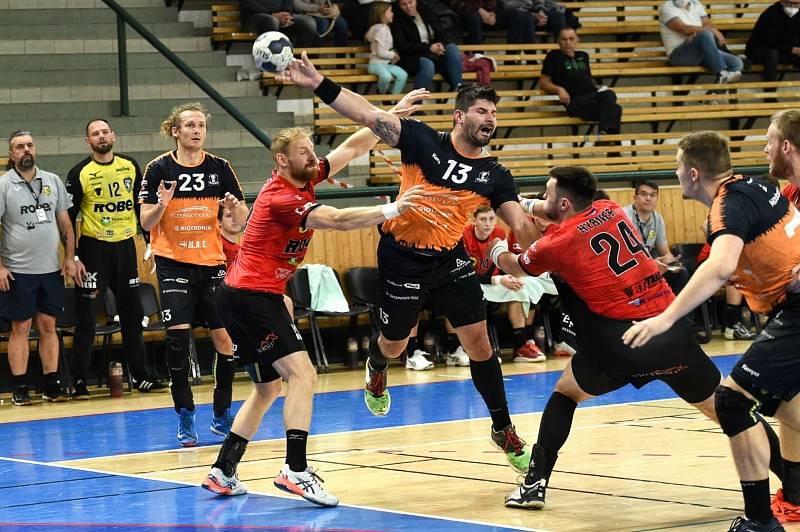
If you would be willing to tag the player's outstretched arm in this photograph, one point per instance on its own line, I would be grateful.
(325, 217)
(504, 259)
(345, 102)
(523, 227)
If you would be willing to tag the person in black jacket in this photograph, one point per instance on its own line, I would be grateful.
(776, 38)
(423, 47)
(259, 16)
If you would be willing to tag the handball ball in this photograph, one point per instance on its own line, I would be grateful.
(272, 51)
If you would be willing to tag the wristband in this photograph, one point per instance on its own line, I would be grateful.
(497, 250)
(328, 90)
(76, 259)
(390, 210)
(496, 279)
(529, 204)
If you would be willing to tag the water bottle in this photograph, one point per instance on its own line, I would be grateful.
(365, 347)
(538, 337)
(352, 353)
(115, 379)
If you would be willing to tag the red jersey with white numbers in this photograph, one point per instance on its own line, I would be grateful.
(599, 255)
(275, 240)
(792, 193)
(478, 251)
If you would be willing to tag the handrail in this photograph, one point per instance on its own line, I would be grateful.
(124, 17)
(608, 177)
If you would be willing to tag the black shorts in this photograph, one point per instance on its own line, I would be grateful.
(187, 292)
(604, 363)
(406, 278)
(770, 369)
(109, 265)
(30, 293)
(261, 329)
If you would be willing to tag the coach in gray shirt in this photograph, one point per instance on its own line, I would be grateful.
(33, 213)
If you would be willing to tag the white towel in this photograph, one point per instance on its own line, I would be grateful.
(326, 294)
(530, 294)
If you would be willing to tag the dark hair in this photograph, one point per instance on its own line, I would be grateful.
(89, 123)
(639, 183)
(18, 133)
(468, 94)
(220, 213)
(577, 183)
(708, 151)
(600, 194)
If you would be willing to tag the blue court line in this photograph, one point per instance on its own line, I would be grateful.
(111, 434)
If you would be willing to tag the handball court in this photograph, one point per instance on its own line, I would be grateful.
(635, 461)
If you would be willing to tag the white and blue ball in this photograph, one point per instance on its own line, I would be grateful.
(272, 51)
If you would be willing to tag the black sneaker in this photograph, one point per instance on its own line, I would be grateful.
(21, 396)
(743, 524)
(54, 393)
(531, 493)
(147, 385)
(80, 393)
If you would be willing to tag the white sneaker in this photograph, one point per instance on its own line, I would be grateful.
(220, 484)
(418, 361)
(726, 76)
(738, 332)
(305, 484)
(563, 349)
(458, 357)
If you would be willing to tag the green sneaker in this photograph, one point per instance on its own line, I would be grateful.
(517, 452)
(376, 396)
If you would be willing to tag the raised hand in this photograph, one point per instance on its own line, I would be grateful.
(410, 103)
(410, 198)
(229, 201)
(164, 193)
(301, 72)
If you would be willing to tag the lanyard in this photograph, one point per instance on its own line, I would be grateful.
(641, 226)
(30, 188)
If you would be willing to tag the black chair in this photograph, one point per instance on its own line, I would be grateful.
(362, 283)
(688, 253)
(151, 308)
(300, 294)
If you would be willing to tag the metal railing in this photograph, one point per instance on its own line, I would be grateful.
(123, 18)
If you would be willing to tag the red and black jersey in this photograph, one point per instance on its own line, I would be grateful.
(188, 230)
(275, 240)
(478, 251)
(454, 186)
(792, 193)
(599, 255)
(755, 211)
(231, 249)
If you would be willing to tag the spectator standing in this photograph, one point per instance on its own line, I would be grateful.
(776, 38)
(383, 58)
(33, 214)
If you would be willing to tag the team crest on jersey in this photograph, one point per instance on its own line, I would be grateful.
(213, 179)
(128, 183)
(46, 190)
(483, 177)
(98, 191)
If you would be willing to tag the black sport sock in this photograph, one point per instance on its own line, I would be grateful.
(776, 462)
(296, 450)
(20, 380)
(376, 360)
(554, 426)
(178, 366)
(518, 337)
(733, 314)
(224, 369)
(791, 482)
(231, 453)
(757, 500)
(413, 345)
(451, 343)
(487, 377)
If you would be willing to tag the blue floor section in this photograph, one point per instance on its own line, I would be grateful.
(39, 497)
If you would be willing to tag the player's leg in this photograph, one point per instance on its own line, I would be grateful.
(525, 349)
(89, 294)
(786, 505)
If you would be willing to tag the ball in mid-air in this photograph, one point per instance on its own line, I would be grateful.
(272, 51)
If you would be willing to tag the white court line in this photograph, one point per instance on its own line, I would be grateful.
(183, 483)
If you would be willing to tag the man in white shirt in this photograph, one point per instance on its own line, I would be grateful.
(690, 38)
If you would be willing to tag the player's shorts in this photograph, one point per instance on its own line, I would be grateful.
(261, 329)
(406, 278)
(187, 292)
(30, 293)
(770, 369)
(604, 363)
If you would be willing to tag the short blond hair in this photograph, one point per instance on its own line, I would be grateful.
(708, 151)
(281, 141)
(174, 118)
(787, 122)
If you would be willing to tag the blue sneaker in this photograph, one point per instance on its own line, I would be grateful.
(187, 436)
(221, 426)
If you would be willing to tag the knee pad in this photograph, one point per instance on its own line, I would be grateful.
(736, 412)
(178, 349)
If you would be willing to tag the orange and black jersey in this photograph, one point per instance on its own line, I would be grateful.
(454, 186)
(188, 230)
(755, 211)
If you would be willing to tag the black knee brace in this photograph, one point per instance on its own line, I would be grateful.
(178, 365)
(736, 412)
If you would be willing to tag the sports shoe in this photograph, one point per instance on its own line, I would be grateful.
(376, 396)
(529, 352)
(306, 484)
(54, 393)
(458, 357)
(563, 349)
(783, 510)
(221, 426)
(418, 361)
(517, 453)
(738, 332)
(21, 396)
(220, 484)
(149, 385)
(187, 436)
(530, 494)
(726, 76)
(80, 393)
(742, 524)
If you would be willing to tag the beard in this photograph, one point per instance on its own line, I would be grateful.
(473, 138)
(305, 173)
(26, 162)
(780, 166)
(103, 149)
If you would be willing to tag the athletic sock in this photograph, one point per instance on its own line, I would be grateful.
(733, 313)
(757, 500)
(518, 337)
(224, 370)
(231, 453)
(413, 345)
(555, 425)
(451, 343)
(487, 377)
(376, 360)
(296, 450)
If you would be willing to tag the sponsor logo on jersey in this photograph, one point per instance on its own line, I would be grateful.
(89, 280)
(304, 208)
(114, 206)
(197, 211)
(31, 209)
(282, 273)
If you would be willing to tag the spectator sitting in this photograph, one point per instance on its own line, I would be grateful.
(566, 72)
(327, 18)
(418, 39)
(475, 14)
(553, 16)
(776, 38)
(690, 39)
(259, 16)
(383, 58)
(653, 233)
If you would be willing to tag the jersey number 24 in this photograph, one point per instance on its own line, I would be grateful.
(607, 242)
